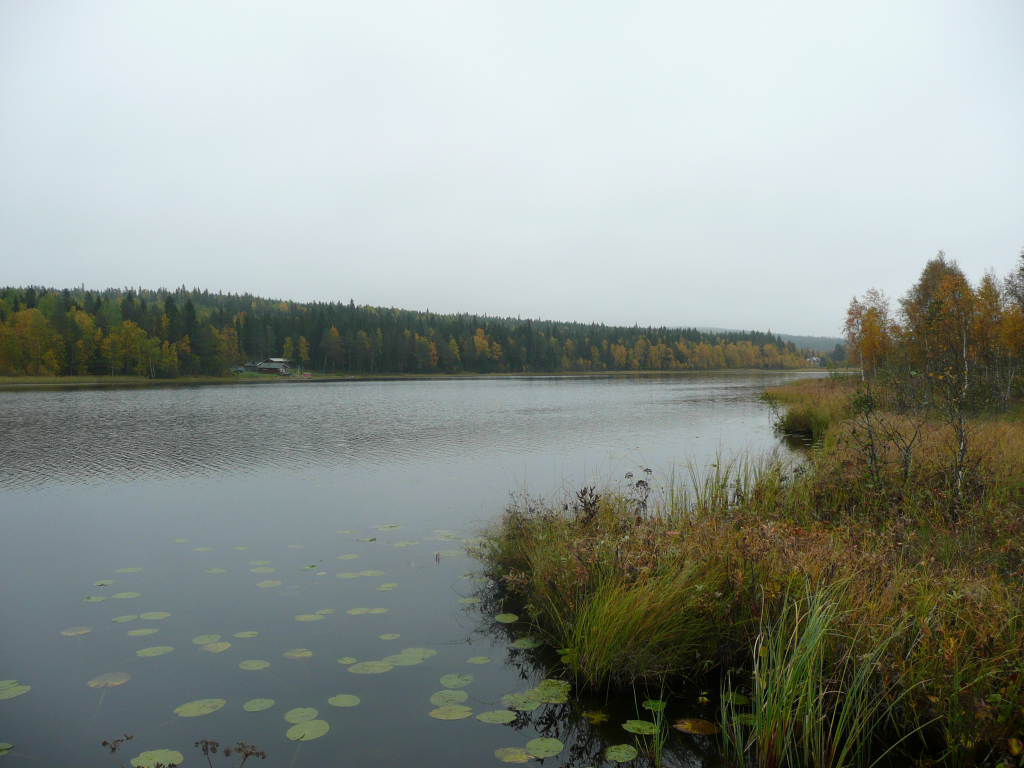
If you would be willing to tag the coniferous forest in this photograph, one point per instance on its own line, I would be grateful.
(173, 333)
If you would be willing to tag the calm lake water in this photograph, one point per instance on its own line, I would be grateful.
(174, 495)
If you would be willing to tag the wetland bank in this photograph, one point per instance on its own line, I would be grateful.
(215, 522)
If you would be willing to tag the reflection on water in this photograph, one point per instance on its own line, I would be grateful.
(186, 496)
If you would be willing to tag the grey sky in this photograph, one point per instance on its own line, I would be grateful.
(727, 164)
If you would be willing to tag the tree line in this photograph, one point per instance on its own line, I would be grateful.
(169, 333)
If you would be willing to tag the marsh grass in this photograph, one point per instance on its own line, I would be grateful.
(887, 624)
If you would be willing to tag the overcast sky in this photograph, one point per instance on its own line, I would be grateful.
(744, 165)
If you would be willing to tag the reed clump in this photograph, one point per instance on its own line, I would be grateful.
(881, 614)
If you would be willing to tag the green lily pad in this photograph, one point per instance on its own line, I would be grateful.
(93, 599)
(372, 538)
(257, 705)
(497, 717)
(154, 615)
(654, 705)
(541, 748)
(265, 584)
(343, 700)
(216, 570)
(5, 747)
(142, 632)
(15, 690)
(469, 600)
(389, 636)
(308, 568)
(179, 541)
(308, 730)
(347, 530)
(259, 562)
(423, 653)
(200, 707)
(300, 715)
(641, 727)
(696, 726)
(551, 692)
(103, 583)
(157, 756)
(348, 557)
(506, 618)
(456, 681)
(158, 650)
(347, 575)
(621, 753)
(403, 660)
(308, 617)
(204, 639)
(73, 631)
(512, 755)
(370, 668)
(525, 643)
(447, 697)
(346, 660)
(298, 653)
(451, 712)
(325, 611)
(254, 664)
(386, 587)
(378, 610)
(478, 660)
(5, 684)
(358, 611)
(406, 543)
(263, 569)
(109, 680)
(124, 619)
(736, 699)
(371, 573)
(521, 702)
(133, 569)
(247, 634)
(240, 549)
(200, 549)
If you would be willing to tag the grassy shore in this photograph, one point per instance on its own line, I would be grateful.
(855, 612)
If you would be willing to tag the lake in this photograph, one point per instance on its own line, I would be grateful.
(329, 519)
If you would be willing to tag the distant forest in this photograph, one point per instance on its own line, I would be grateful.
(170, 333)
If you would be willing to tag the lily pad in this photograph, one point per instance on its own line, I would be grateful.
(15, 690)
(372, 538)
(621, 753)
(216, 570)
(158, 650)
(247, 634)
(300, 715)
(469, 600)
(595, 718)
(103, 583)
(521, 702)
(254, 664)
(358, 611)
(423, 653)
(641, 727)
(403, 660)
(525, 643)
(325, 611)
(5, 747)
(308, 617)
(93, 599)
(478, 660)
(386, 527)
(124, 619)
(378, 610)
(204, 639)
(200, 549)
(5, 684)
(386, 587)
(259, 562)
(447, 697)
(109, 680)
(456, 681)
(344, 700)
(451, 712)
(348, 557)
(257, 705)
(541, 748)
(73, 631)
(308, 730)
(497, 717)
(506, 618)
(512, 755)
(371, 573)
(142, 632)
(298, 653)
(179, 541)
(389, 636)
(200, 707)
(154, 615)
(696, 726)
(347, 660)
(133, 569)
(406, 543)
(157, 756)
(736, 699)
(370, 668)
(347, 575)
(654, 705)
(263, 569)
(265, 584)
(744, 718)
